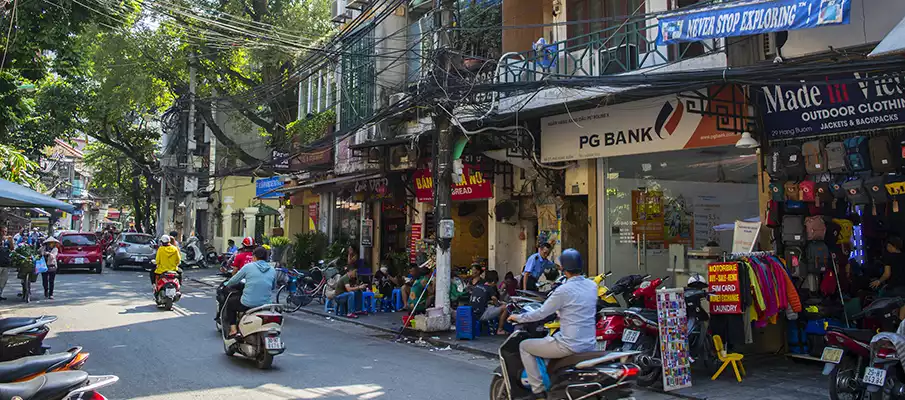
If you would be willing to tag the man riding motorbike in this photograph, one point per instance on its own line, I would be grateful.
(244, 256)
(260, 278)
(576, 302)
(167, 259)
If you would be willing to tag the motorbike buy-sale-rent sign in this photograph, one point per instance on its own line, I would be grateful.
(725, 290)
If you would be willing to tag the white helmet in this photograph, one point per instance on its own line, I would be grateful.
(165, 239)
(696, 279)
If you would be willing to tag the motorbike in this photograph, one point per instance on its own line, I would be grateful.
(192, 255)
(29, 367)
(259, 333)
(22, 336)
(611, 319)
(168, 290)
(883, 377)
(848, 349)
(66, 385)
(226, 262)
(592, 375)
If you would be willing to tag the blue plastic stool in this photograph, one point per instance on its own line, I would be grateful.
(396, 300)
(367, 302)
(464, 324)
(330, 305)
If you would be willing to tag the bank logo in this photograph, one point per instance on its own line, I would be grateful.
(669, 118)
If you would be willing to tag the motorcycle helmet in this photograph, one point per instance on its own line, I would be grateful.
(248, 242)
(571, 261)
(697, 281)
(165, 239)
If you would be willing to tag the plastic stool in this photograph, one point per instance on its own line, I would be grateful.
(396, 300)
(330, 305)
(367, 302)
(464, 324)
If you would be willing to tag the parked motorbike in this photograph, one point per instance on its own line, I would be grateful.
(67, 385)
(611, 319)
(848, 349)
(259, 333)
(883, 378)
(590, 375)
(23, 336)
(168, 290)
(192, 255)
(29, 367)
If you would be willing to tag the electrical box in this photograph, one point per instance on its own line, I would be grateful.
(577, 179)
(447, 229)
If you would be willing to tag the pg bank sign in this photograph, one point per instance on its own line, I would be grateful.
(646, 126)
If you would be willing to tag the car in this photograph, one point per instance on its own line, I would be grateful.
(80, 250)
(136, 249)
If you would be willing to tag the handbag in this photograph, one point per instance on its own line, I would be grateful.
(40, 265)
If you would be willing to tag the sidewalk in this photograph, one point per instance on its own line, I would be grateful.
(769, 376)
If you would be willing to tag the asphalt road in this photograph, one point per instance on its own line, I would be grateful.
(177, 355)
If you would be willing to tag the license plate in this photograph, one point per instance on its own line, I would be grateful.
(141, 259)
(170, 292)
(630, 336)
(80, 261)
(831, 355)
(874, 376)
(601, 345)
(273, 343)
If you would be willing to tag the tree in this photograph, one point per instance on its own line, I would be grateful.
(17, 168)
(121, 180)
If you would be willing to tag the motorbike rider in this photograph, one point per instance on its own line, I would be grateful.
(576, 303)
(231, 247)
(260, 279)
(167, 259)
(245, 254)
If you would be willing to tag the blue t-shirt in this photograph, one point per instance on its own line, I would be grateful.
(536, 265)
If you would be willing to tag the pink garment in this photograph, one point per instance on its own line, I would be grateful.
(769, 289)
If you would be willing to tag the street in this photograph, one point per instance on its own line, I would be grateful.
(178, 355)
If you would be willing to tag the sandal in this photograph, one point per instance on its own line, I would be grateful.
(352, 315)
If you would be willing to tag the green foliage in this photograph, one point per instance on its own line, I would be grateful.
(338, 248)
(17, 168)
(480, 34)
(305, 131)
(122, 181)
(309, 248)
(23, 257)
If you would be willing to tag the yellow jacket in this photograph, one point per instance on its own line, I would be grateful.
(168, 259)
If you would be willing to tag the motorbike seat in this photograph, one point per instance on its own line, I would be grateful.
(50, 386)
(26, 366)
(570, 361)
(15, 322)
(648, 316)
(611, 311)
(861, 335)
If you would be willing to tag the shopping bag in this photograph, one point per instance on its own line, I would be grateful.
(40, 265)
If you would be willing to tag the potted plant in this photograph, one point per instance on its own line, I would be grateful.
(278, 245)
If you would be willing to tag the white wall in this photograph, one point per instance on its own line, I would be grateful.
(870, 20)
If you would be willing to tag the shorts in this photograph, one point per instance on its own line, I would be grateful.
(492, 313)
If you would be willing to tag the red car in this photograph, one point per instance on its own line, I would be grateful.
(80, 250)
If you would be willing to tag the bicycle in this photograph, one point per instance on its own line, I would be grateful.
(289, 294)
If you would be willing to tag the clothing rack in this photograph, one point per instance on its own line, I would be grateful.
(734, 256)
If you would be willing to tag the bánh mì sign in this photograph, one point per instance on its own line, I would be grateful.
(474, 185)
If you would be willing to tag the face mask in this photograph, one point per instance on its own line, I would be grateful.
(384, 269)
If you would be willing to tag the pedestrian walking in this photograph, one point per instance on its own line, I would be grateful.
(6, 248)
(49, 252)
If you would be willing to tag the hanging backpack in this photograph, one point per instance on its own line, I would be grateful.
(895, 187)
(876, 188)
(855, 192)
(793, 233)
(817, 257)
(793, 162)
(808, 191)
(837, 189)
(814, 157)
(857, 152)
(777, 193)
(792, 256)
(772, 215)
(881, 155)
(815, 227)
(846, 230)
(793, 207)
(833, 230)
(836, 158)
(792, 191)
(824, 195)
(775, 165)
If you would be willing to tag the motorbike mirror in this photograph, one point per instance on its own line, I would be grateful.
(647, 276)
(607, 274)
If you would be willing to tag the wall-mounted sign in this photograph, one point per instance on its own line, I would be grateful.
(378, 186)
(367, 232)
(413, 242)
(639, 127)
(751, 18)
(312, 158)
(817, 105)
(280, 160)
(312, 215)
(473, 187)
(264, 188)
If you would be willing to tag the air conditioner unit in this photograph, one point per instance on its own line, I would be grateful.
(769, 45)
(395, 98)
(338, 11)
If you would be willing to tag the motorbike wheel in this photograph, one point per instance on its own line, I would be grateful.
(168, 305)
(652, 375)
(843, 373)
(498, 389)
(264, 360)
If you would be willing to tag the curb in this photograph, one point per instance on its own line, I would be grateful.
(407, 332)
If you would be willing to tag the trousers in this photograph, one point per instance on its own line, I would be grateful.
(546, 347)
(4, 276)
(47, 279)
(233, 307)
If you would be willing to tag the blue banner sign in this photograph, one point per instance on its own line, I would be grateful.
(751, 18)
(827, 104)
(264, 188)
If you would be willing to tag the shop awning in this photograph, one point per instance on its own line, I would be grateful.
(337, 180)
(14, 195)
(893, 43)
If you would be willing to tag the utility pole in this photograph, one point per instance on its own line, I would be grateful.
(443, 167)
(191, 181)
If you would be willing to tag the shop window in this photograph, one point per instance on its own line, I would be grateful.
(218, 225)
(238, 224)
(688, 197)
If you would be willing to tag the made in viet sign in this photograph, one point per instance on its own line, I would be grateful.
(725, 290)
(473, 187)
(832, 103)
(751, 18)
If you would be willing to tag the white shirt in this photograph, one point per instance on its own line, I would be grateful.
(576, 302)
